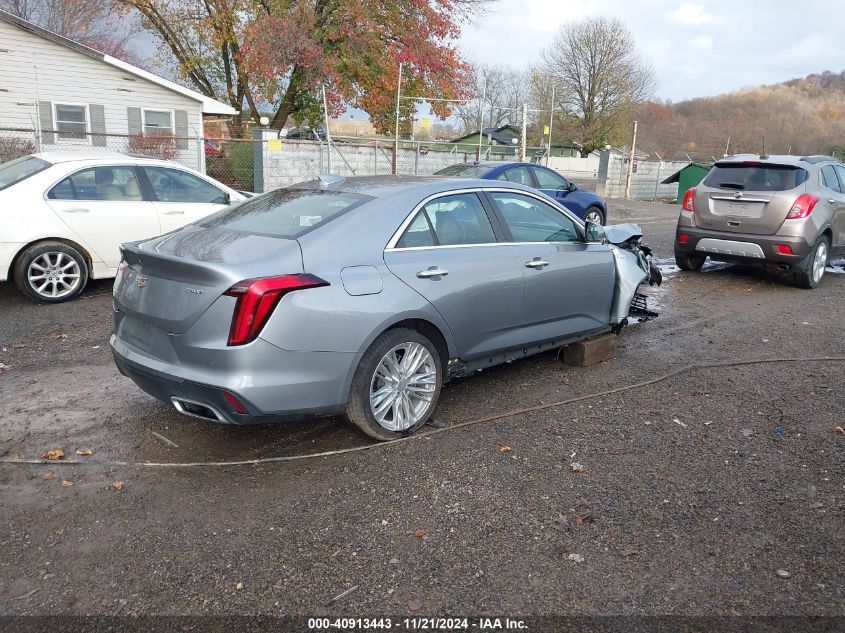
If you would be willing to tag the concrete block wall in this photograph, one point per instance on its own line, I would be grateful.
(278, 165)
(645, 183)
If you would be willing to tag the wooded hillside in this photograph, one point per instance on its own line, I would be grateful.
(800, 116)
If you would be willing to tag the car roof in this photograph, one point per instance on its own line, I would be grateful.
(777, 159)
(384, 186)
(67, 156)
(500, 163)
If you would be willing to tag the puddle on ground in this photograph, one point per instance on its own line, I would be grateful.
(836, 266)
(668, 267)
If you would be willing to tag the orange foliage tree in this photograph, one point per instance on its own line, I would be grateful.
(279, 53)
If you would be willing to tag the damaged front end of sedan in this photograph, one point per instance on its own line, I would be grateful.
(634, 267)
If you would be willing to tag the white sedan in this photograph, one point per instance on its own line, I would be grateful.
(65, 214)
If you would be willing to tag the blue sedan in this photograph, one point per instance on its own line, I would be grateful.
(587, 205)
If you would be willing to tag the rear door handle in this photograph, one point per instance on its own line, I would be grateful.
(433, 271)
(174, 213)
(77, 210)
(831, 201)
(536, 263)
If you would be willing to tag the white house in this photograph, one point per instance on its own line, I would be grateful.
(71, 96)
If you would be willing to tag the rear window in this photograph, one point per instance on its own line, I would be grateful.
(746, 177)
(19, 169)
(286, 213)
(467, 170)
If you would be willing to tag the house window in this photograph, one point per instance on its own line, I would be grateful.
(158, 122)
(71, 122)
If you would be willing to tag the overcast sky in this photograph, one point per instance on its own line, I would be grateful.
(697, 48)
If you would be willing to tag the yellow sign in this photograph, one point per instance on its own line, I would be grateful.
(425, 123)
(545, 129)
(274, 145)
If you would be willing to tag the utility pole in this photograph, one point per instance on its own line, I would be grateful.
(481, 124)
(328, 134)
(396, 140)
(551, 122)
(524, 131)
(631, 163)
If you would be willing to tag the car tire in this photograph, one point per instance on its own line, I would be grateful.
(594, 211)
(385, 412)
(810, 272)
(51, 272)
(690, 263)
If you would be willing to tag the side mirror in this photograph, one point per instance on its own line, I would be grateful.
(227, 198)
(572, 186)
(594, 232)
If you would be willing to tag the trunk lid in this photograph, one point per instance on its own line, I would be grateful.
(748, 197)
(171, 280)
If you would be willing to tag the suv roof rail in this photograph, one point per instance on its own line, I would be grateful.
(818, 158)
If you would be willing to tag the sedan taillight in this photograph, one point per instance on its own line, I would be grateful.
(257, 298)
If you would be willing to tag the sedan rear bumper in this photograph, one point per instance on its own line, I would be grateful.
(8, 250)
(290, 385)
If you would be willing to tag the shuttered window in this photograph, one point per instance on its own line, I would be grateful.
(158, 122)
(71, 122)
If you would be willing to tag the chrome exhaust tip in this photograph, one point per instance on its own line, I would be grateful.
(197, 410)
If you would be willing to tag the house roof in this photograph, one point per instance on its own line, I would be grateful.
(496, 133)
(209, 105)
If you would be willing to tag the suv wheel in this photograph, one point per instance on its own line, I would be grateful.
(689, 262)
(396, 385)
(51, 272)
(810, 272)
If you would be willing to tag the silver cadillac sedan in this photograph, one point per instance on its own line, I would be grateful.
(361, 296)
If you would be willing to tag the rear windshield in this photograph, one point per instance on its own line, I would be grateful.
(467, 170)
(19, 169)
(286, 213)
(746, 177)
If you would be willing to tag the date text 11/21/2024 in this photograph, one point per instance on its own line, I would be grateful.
(418, 624)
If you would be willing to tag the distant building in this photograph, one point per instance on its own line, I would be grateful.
(351, 127)
(505, 140)
(688, 177)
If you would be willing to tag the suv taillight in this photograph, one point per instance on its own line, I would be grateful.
(802, 207)
(689, 200)
(257, 299)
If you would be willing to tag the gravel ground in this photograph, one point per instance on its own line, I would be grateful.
(692, 492)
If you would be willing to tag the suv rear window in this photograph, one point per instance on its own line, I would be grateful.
(14, 171)
(287, 213)
(752, 177)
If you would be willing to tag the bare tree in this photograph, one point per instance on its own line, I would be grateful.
(503, 91)
(94, 23)
(598, 75)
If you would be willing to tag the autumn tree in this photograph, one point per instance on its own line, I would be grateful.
(262, 54)
(597, 75)
(89, 22)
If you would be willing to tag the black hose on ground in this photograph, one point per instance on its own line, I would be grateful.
(490, 418)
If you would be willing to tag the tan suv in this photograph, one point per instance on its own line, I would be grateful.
(783, 211)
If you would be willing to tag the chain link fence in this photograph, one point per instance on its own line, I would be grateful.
(279, 161)
(188, 151)
(267, 161)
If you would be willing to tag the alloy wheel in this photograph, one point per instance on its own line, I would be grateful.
(820, 261)
(403, 386)
(593, 216)
(53, 274)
